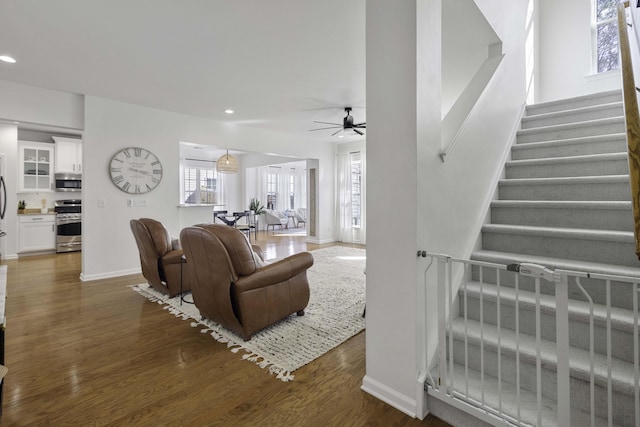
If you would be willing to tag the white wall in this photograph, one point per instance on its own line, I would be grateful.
(564, 52)
(42, 106)
(437, 203)
(108, 246)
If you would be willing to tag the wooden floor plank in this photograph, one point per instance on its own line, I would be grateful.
(97, 353)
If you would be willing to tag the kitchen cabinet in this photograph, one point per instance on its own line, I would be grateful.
(36, 233)
(68, 155)
(35, 168)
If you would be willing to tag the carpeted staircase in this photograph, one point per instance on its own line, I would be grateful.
(564, 203)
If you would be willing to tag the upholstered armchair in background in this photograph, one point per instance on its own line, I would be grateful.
(160, 257)
(233, 287)
(275, 218)
(300, 216)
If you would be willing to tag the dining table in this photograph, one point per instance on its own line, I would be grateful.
(229, 218)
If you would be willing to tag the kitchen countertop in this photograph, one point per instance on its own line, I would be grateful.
(35, 211)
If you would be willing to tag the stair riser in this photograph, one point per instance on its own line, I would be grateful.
(598, 191)
(567, 132)
(586, 218)
(621, 293)
(584, 147)
(566, 247)
(621, 340)
(567, 169)
(579, 388)
(573, 104)
(564, 117)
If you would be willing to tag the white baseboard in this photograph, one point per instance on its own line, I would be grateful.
(320, 242)
(390, 396)
(109, 275)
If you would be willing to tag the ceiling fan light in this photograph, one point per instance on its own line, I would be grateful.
(227, 164)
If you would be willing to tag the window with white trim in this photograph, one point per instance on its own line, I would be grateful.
(272, 188)
(604, 33)
(201, 183)
(356, 189)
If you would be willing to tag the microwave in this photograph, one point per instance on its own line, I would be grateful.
(68, 181)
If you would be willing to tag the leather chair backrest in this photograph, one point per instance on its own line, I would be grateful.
(211, 274)
(148, 252)
(237, 247)
(159, 235)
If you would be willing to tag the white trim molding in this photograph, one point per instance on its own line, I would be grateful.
(390, 396)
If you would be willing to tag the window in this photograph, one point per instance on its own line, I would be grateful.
(605, 35)
(356, 190)
(272, 188)
(201, 183)
(292, 190)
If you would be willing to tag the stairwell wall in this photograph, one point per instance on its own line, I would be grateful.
(455, 195)
(439, 206)
(564, 52)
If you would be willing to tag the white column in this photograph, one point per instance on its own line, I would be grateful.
(399, 68)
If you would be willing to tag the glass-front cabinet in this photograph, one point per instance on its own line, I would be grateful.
(35, 170)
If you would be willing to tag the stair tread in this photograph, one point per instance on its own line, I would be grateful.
(538, 231)
(568, 101)
(585, 158)
(556, 263)
(572, 111)
(528, 401)
(563, 126)
(620, 318)
(570, 141)
(566, 180)
(622, 373)
(564, 204)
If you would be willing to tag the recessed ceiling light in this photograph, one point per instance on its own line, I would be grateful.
(229, 111)
(8, 59)
(340, 136)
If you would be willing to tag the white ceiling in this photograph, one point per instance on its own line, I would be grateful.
(280, 64)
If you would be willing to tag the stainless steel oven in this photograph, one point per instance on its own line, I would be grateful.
(68, 225)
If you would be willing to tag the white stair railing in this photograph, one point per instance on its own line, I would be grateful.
(501, 370)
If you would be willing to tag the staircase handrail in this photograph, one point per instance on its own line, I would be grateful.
(632, 119)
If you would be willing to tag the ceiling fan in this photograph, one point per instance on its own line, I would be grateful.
(347, 123)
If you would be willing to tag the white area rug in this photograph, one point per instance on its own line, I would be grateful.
(334, 314)
(291, 232)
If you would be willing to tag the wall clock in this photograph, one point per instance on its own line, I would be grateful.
(135, 170)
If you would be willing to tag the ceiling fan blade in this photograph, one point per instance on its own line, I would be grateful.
(360, 125)
(332, 127)
(357, 131)
(337, 132)
(327, 123)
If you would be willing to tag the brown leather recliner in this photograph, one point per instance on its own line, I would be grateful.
(160, 257)
(231, 286)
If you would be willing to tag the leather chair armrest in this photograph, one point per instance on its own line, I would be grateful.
(275, 273)
(258, 250)
(173, 257)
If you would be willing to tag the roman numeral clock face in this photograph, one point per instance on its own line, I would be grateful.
(135, 170)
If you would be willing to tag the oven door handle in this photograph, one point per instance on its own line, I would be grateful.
(68, 221)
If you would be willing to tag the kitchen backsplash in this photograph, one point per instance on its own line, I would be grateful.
(34, 200)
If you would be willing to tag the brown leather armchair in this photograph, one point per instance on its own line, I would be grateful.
(160, 257)
(231, 286)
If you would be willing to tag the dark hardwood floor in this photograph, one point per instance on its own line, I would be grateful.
(97, 353)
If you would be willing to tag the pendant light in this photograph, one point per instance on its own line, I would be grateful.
(227, 164)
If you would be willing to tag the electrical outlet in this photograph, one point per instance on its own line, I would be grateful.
(136, 203)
